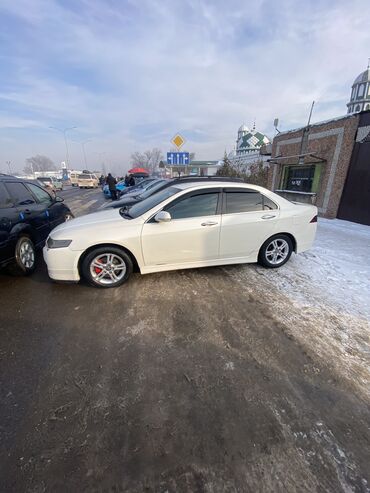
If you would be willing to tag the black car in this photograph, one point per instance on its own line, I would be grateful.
(27, 215)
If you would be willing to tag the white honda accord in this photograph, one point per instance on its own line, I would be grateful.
(186, 225)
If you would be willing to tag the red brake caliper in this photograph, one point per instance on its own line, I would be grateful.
(97, 269)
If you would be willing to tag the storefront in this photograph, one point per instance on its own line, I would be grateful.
(310, 164)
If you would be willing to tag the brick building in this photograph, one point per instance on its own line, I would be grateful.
(310, 164)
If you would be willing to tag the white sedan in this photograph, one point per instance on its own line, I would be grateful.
(187, 225)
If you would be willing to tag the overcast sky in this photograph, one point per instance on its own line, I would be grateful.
(130, 74)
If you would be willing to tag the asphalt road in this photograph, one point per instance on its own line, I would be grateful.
(180, 382)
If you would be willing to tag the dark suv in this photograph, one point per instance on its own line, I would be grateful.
(27, 215)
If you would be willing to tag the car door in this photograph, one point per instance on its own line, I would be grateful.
(29, 210)
(8, 218)
(248, 219)
(192, 234)
(55, 211)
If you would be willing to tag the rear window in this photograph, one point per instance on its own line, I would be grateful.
(85, 177)
(45, 179)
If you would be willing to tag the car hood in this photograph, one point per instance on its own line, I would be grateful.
(116, 204)
(96, 219)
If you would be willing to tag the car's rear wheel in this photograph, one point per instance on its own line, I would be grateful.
(107, 267)
(276, 251)
(25, 257)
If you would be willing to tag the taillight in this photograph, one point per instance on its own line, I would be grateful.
(314, 219)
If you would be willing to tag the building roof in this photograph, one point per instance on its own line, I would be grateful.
(363, 77)
(252, 140)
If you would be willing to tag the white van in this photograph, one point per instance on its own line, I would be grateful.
(74, 179)
(86, 180)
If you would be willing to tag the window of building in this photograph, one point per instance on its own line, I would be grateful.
(353, 93)
(358, 108)
(194, 206)
(19, 193)
(301, 178)
(361, 91)
(367, 107)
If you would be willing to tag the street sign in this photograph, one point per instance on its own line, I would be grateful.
(178, 141)
(178, 158)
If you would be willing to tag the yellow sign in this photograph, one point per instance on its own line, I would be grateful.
(178, 141)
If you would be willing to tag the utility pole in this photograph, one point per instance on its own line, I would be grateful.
(83, 142)
(64, 132)
(8, 163)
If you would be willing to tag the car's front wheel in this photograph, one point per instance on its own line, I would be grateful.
(25, 257)
(107, 267)
(276, 251)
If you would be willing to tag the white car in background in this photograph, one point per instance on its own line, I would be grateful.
(191, 224)
(87, 180)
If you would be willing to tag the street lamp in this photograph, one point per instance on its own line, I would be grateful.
(64, 131)
(9, 166)
(83, 142)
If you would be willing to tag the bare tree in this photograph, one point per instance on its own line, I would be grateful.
(149, 159)
(39, 163)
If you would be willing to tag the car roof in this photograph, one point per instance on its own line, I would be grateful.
(216, 184)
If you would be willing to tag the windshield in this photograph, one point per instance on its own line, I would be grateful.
(150, 202)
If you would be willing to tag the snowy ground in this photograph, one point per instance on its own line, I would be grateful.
(323, 296)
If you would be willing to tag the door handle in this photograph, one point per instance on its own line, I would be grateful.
(268, 216)
(210, 223)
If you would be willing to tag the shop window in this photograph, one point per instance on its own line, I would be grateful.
(299, 178)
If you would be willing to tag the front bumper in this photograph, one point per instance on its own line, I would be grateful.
(62, 263)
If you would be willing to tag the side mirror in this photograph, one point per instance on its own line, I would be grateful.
(162, 217)
(59, 199)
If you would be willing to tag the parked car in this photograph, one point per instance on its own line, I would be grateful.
(142, 185)
(58, 184)
(133, 198)
(87, 180)
(120, 187)
(27, 215)
(192, 224)
(47, 181)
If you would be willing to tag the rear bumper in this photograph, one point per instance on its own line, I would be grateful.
(62, 263)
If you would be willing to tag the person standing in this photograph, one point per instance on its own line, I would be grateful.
(111, 182)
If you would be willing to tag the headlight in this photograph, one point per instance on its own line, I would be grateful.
(58, 243)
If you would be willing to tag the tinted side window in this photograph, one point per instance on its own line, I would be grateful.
(243, 202)
(268, 205)
(5, 200)
(194, 206)
(41, 196)
(19, 193)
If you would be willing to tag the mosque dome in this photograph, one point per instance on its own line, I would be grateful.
(360, 95)
(250, 141)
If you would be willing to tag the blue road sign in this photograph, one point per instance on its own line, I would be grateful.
(178, 158)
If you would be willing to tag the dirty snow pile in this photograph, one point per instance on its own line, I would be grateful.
(335, 272)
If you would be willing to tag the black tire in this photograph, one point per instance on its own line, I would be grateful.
(100, 255)
(283, 248)
(25, 257)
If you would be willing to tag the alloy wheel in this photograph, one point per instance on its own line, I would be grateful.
(277, 251)
(107, 269)
(27, 254)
